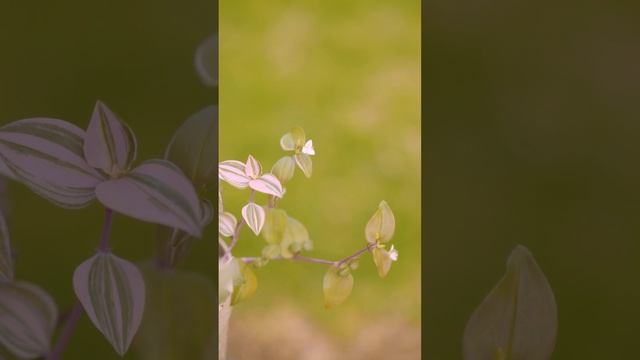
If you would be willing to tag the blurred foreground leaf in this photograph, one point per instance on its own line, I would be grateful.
(518, 319)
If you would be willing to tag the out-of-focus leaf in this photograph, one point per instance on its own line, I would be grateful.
(294, 238)
(293, 139)
(110, 144)
(28, 317)
(382, 224)
(112, 292)
(179, 320)
(275, 225)
(224, 314)
(194, 147)
(247, 287)
(304, 163)
(254, 216)
(46, 155)
(229, 276)
(283, 169)
(518, 318)
(6, 254)
(206, 61)
(156, 191)
(336, 286)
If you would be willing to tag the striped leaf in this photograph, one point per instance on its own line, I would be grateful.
(227, 224)
(194, 147)
(267, 184)
(28, 317)
(336, 286)
(254, 216)
(112, 293)
(518, 319)
(304, 163)
(6, 255)
(206, 61)
(382, 224)
(157, 191)
(233, 172)
(46, 155)
(110, 145)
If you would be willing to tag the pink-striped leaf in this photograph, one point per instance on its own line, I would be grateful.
(254, 216)
(267, 184)
(233, 172)
(112, 292)
(157, 191)
(227, 224)
(28, 318)
(6, 254)
(46, 155)
(252, 168)
(110, 144)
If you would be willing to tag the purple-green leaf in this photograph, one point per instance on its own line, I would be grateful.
(6, 254)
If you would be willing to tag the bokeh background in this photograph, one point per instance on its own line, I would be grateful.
(531, 137)
(57, 59)
(347, 72)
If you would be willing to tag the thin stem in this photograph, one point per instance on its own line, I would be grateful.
(236, 233)
(297, 257)
(72, 322)
(106, 230)
(67, 331)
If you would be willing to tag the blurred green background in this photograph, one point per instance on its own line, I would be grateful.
(531, 137)
(348, 73)
(57, 59)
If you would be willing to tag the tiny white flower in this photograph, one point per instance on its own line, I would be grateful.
(393, 253)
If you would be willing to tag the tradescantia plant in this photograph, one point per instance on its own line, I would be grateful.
(285, 238)
(71, 168)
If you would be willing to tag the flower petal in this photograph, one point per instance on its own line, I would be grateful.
(267, 184)
(233, 172)
(308, 148)
(304, 163)
(252, 168)
(112, 292)
(254, 216)
(46, 155)
(156, 191)
(110, 144)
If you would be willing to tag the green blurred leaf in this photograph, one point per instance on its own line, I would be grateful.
(382, 224)
(283, 168)
(518, 319)
(275, 225)
(179, 320)
(247, 287)
(336, 286)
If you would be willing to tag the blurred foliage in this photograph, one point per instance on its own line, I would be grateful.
(348, 73)
(58, 59)
(531, 137)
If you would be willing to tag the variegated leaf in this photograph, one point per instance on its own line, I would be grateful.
(267, 184)
(46, 155)
(110, 144)
(254, 216)
(283, 169)
(518, 318)
(6, 254)
(206, 61)
(28, 317)
(112, 292)
(252, 168)
(382, 224)
(227, 224)
(233, 172)
(156, 191)
(194, 147)
(304, 163)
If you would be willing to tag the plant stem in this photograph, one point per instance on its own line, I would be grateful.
(67, 331)
(72, 321)
(297, 257)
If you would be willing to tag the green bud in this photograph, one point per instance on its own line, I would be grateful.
(382, 225)
(284, 168)
(336, 288)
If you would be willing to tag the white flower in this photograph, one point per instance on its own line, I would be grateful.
(296, 141)
(393, 253)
